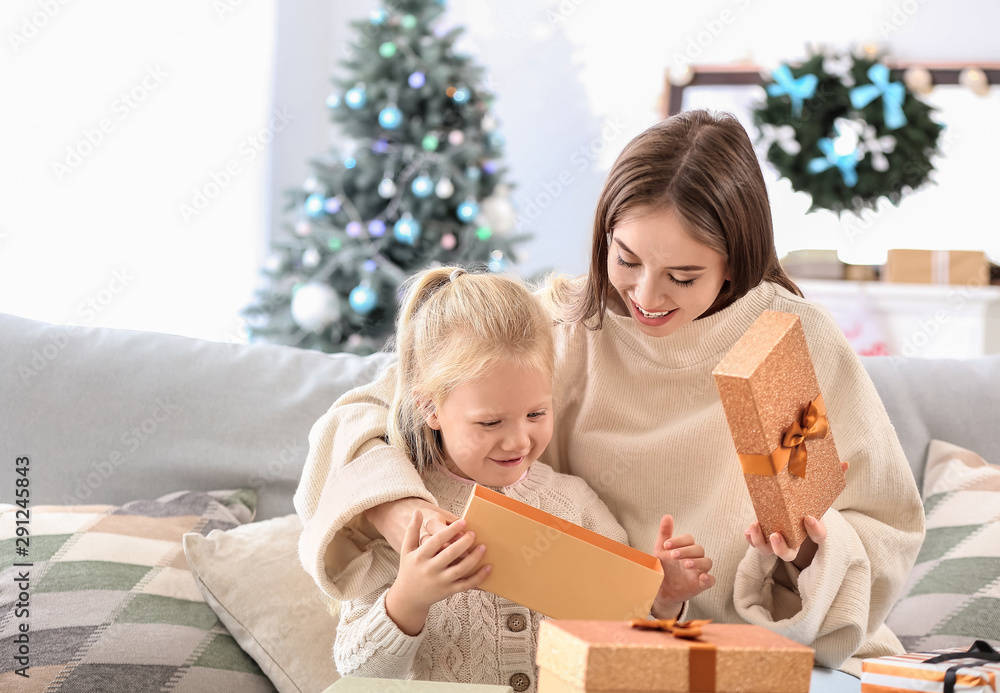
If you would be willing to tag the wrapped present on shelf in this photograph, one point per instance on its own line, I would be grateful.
(558, 568)
(666, 656)
(352, 684)
(778, 421)
(958, 670)
(964, 267)
(813, 264)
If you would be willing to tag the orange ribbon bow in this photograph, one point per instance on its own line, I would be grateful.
(680, 629)
(792, 451)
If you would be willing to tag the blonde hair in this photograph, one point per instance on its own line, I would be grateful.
(454, 327)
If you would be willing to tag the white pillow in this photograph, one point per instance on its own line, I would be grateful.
(252, 579)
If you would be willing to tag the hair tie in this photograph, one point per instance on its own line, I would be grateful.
(457, 272)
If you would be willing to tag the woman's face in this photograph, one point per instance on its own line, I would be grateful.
(664, 277)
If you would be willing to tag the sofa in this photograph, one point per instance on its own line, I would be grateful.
(160, 471)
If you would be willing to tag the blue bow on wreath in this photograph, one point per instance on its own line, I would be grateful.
(892, 94)
(845, 162)
(798, 90)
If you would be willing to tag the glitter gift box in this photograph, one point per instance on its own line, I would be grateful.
(585, 656)
(937, 267)
(973, 670)
(778, 422)
(558, 568)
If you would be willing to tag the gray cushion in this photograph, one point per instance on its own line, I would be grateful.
(108, 416)
(946, 399)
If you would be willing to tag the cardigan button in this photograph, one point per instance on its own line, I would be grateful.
(516, 623)
(520, 682)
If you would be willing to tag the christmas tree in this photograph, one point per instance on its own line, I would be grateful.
(419, 183)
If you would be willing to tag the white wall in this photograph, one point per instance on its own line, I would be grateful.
(153, 99)
(575, 79)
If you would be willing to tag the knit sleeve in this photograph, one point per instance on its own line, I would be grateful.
(370, 644)
(874, 529)
(349, 469)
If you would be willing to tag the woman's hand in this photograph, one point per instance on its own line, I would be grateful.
(393, 518)
(801, 557)
(685, 570)
(445, 564)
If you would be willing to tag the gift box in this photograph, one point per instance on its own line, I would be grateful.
(357, 684)
(778, 421)
(558, 568)
(972, 670)
(579, 656)
(969, 267)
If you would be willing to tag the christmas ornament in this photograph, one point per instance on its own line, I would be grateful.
(314, 205)
(274, 262)
(468, 210)
(498, 211)
(333, 100)
(797, 89)
(417, 79)
(378, 16)
(456, 138)
(444, 188)
(783, 135)
(408, 21)
(406, 230)
(310, 258)
(448, 241)
(387, 49)
(918, 79)
(430, 143)
(350, 162)
(370, 265)
(363, 299)
(497, 262)
(496, 140)
(353, 229)
(879, 142)
(356, 97)
(380, 146)
(376, 228)
(331, 205)
(489, 122)
(310, 184)
(975, 79)
(460, 95)
(681, 75)
(334, 244)
(489, 167)
(484, 233)
(315, 307)
(892, 94)
(472, 172)
(387, 188)
(390, 117)
(422, 186)
(303, 228)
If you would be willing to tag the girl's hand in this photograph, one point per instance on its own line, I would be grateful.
(685, 570)
(445, 564)
(392, 519)
(801, 557)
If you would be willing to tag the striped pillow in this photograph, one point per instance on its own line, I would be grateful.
(112, 605)
(952, 596)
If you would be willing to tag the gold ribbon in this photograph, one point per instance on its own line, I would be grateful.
(792, 451)
(701, 655)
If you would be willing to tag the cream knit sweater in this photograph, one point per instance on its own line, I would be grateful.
(640, 420)
(468, 637)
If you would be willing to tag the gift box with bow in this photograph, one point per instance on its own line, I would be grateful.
(666, 656)
(958, 670)
(779, 424)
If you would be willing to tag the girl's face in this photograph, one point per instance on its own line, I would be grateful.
(664, 277)
(493, 428)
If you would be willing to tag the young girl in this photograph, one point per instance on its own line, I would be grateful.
(474, 405)
(682, 264)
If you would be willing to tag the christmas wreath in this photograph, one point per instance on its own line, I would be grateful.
(846, 130)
